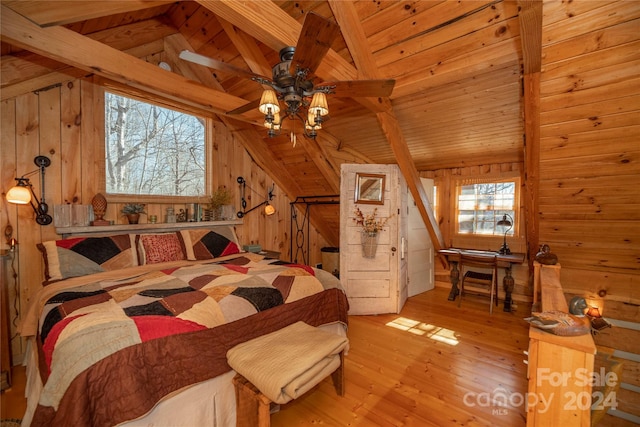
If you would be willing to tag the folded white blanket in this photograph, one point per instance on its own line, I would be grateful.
(286, 363)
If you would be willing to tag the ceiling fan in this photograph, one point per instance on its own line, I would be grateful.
(292, 80)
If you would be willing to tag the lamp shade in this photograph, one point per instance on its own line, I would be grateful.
(594, 312)
(505, 222)
(19, 195)
(269, 100)
(319, 104)
(269, 209)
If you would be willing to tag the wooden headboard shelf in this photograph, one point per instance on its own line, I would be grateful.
(67, 232)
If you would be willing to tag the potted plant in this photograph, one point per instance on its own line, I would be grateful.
(222, 196)
(132, 211)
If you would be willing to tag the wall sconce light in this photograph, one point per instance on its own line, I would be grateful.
(23, 194)
(507, 223)
(598, 323)
(269, 209)
(594, 312)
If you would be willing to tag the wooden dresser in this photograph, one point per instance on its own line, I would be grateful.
(560, 368)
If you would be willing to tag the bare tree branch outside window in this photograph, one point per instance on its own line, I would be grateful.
(152, 150)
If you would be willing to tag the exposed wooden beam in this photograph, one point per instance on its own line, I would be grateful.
(532, 162)
(356, 40)
(252, 142)
(69, 47)
(48, 13)
(258, 64)
(251, 139)
(248, 48)
(530, 19)
(26, 71)
(267, 22)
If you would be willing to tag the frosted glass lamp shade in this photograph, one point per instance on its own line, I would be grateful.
(269, 100)
(19, 195)
(269, 209)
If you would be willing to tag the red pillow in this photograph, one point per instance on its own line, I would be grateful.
(155, 248)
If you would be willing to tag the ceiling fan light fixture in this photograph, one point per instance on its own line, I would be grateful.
(319, 104)
(269, 102)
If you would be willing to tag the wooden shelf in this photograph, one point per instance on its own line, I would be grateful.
(132, 228)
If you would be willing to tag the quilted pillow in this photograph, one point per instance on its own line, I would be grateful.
(80, 256)
(155, 248)
(207, 243)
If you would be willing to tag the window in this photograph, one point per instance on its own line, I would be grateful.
(151, 150)
(482, 205)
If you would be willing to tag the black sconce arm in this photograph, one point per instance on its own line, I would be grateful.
(40, 207)
(244, 210)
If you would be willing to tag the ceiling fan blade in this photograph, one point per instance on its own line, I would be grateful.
(246, 107)
(314, 42)
(196, 58)
(361, 88)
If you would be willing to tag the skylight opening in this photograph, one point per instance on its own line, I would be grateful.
(436, 333)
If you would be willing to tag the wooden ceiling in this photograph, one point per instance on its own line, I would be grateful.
(457, 99)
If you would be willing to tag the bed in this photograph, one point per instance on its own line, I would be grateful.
(133, 329)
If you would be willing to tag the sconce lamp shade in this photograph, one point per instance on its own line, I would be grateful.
(269, 101)
(19, 195)
(269, 209)
(22, 193)
(319, 104)
(594, 312)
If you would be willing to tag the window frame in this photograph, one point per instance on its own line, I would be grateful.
(459, 183)
(149, 198)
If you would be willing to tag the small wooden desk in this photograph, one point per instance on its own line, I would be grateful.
(504, 260)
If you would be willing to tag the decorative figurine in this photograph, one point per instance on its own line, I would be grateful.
(544, 256)
(99, 204)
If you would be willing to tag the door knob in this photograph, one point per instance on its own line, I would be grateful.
(393, 249)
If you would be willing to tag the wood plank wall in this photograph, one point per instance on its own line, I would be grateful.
(446, 181)
(590, 164)
(64, 124)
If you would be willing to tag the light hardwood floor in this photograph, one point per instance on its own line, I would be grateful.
(434, 364)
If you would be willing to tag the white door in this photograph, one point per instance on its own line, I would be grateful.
(373, 284)
(420, 247)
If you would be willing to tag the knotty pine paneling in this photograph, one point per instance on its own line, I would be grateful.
(66, 124)
(445, 182)
(589, 160)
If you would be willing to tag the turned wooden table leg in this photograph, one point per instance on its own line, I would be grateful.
(508, 283)
(454, 276)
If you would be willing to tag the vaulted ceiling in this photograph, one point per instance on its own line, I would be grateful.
(457, 67)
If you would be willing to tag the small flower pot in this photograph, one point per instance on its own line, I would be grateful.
(133, 218)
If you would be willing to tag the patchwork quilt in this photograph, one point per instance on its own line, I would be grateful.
(152, 331)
